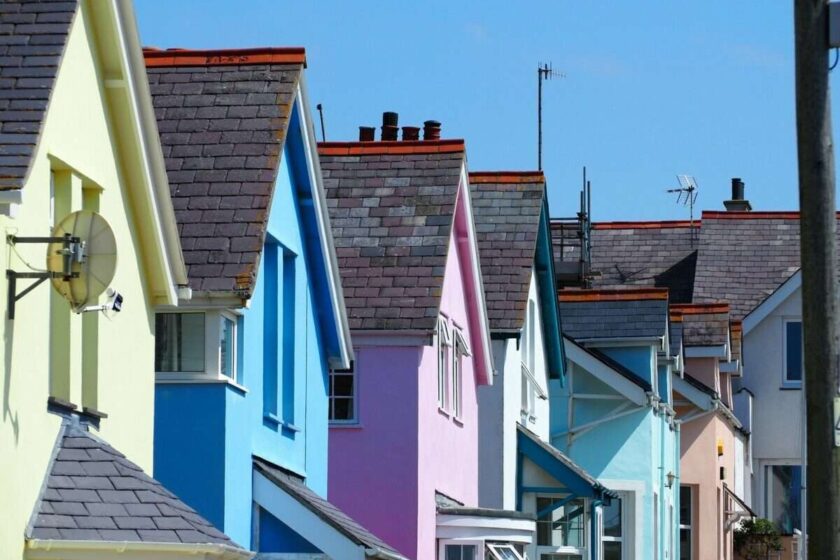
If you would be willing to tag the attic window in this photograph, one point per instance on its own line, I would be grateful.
(444, 342)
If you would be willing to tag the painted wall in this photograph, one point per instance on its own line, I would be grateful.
(499, 408)
(299, 444)
(79, 131)
(633, 453)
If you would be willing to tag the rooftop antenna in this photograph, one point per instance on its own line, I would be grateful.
(321, 115)
(687, 196)
(544, 72)
(584, 231)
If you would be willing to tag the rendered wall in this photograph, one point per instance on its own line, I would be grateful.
(78, 131)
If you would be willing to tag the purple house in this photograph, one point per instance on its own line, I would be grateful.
(404, 419)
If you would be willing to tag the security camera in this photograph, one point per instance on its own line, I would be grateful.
(115, 300)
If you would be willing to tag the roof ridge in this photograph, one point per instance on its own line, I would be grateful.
(507, 177)
(223, 57)
(699, 308)
(647, 224)
(613, 294)
(763, 215)
(453, 145)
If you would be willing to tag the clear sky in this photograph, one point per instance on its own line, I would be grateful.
(651, 89)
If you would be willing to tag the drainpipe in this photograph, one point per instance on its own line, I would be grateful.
(677, 479)
(661, 493)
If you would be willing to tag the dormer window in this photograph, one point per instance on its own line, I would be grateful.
(200, 345)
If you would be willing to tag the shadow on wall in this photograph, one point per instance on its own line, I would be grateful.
(8, 413)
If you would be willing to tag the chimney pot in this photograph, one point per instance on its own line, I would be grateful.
(390, 128)
(737, 188)
(410, 133)
(431, 130)
(367, 133)
(738, 203)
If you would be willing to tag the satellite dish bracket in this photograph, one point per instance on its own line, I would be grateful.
(73, 249)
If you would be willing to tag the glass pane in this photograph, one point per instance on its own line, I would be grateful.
(227, 335)
(612, 551)
(179, 342)
(685, 505)
(685, 544)
(453, 552)
(784, 489)
(612, 519)
(342, 385)
(793, 343)
(468, 552)
(343, 409)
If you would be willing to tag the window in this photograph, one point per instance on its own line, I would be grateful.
(613, 530)
(784, 497)
(227, 346)
(794, 365)
(179, 342)
(459, 552)
(531, 336)
(343, 396)
(461, 349)
(444, 340)
(528, 404)
(279, 323)
(502, 552)
(563, 526)
(686, 505)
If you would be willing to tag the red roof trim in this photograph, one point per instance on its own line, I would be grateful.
(720, 215)
(699, 308)
(224, 57)
(664, 224)
(507, 177)
(391, 147)
(634, 294)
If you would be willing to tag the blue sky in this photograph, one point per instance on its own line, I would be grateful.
(651, 89)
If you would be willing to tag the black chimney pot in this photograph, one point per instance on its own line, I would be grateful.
(431, 130)
(411, 133)
(390, 128)
(367, 133)
(738, 203)
(737, 188)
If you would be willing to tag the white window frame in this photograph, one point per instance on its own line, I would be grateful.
(354, 397)
(212, 349)
(234, 320)
(791, 383)
(494, 548)
(444, 347)
(546, 549)
(478, 545)
(460, 349)
(690, 526)
(625, 553)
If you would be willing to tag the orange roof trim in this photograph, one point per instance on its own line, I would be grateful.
(391, 147)
(698, 308)
(664, 224)
(613, 295)
(224, 57)
(721, 215)
(513, 177)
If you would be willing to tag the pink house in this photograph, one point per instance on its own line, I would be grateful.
(403, 456)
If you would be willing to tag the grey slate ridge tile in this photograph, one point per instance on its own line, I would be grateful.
(331, 515)
(223, 129)
(584, 320)
(33, 34)
(391, 218)
(507, 219)
(108, 515)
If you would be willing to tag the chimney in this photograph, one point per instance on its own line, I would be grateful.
(431, 130)
(738, 203)
(367, 133)
(389, 125)
(411, 133)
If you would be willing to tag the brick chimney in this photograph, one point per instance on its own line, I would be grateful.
(737, 203)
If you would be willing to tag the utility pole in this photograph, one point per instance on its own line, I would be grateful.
(819, 277)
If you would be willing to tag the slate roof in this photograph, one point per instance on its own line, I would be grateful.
(506, 210)
(223, 118)
(745, 257)
(330, 514)
(675, 337)
(654, 254)
(32, 39)
(704, 324)
(391, 209)
(593, 314)
(93, 493)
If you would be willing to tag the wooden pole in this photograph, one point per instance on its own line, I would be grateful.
(819, 276)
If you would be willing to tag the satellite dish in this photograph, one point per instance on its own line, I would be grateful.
(82, 258)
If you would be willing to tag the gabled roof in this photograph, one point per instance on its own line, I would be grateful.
(507, 208)
(631, 313)
(93, 493)
(608, 371)
(391, 207)
(656, 254)
(32, 42)
(223, 116)
(327, 512)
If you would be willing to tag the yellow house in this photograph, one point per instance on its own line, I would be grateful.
(77, 132)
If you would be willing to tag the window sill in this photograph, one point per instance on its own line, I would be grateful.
(458, 421)
(443, 412)
(278, 422)
(346, 425)
(168, 379)
(793, 386)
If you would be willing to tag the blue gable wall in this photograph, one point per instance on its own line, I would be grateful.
(207, 433)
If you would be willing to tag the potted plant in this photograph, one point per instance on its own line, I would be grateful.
(756, 539)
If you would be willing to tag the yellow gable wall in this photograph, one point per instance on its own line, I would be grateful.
(77, 133)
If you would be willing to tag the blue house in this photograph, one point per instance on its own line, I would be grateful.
(614, 415)
(242, 369)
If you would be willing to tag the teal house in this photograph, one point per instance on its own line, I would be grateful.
(243, 367)
(614, 416)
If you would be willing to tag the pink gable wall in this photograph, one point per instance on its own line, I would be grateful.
(385, 473)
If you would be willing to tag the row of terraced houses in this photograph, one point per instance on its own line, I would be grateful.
(362, 349)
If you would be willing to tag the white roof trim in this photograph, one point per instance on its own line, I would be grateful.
(604, 373)
(319, 203)
(697, 397)
(771, 302)
(717, 351)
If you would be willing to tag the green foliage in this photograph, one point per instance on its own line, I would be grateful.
(755, 539)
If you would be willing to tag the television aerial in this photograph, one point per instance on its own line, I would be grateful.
(687, 196)
(80, 263)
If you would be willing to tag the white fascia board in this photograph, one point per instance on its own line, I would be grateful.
(148, 141)
(717, 351)
(774, 300)
(319, 205)
(732, 366)
(697, 397)
(304, 521)
(485, 528)
(9, 202)
(605, 373)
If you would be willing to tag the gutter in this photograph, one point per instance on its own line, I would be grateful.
(9, 201)
(56, 548)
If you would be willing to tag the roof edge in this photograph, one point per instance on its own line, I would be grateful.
(764, 215)
(698, 308)
(613, 294)
(391, 147)
(58, 546)
(156, 58)
(661, 224)
(505, 177)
